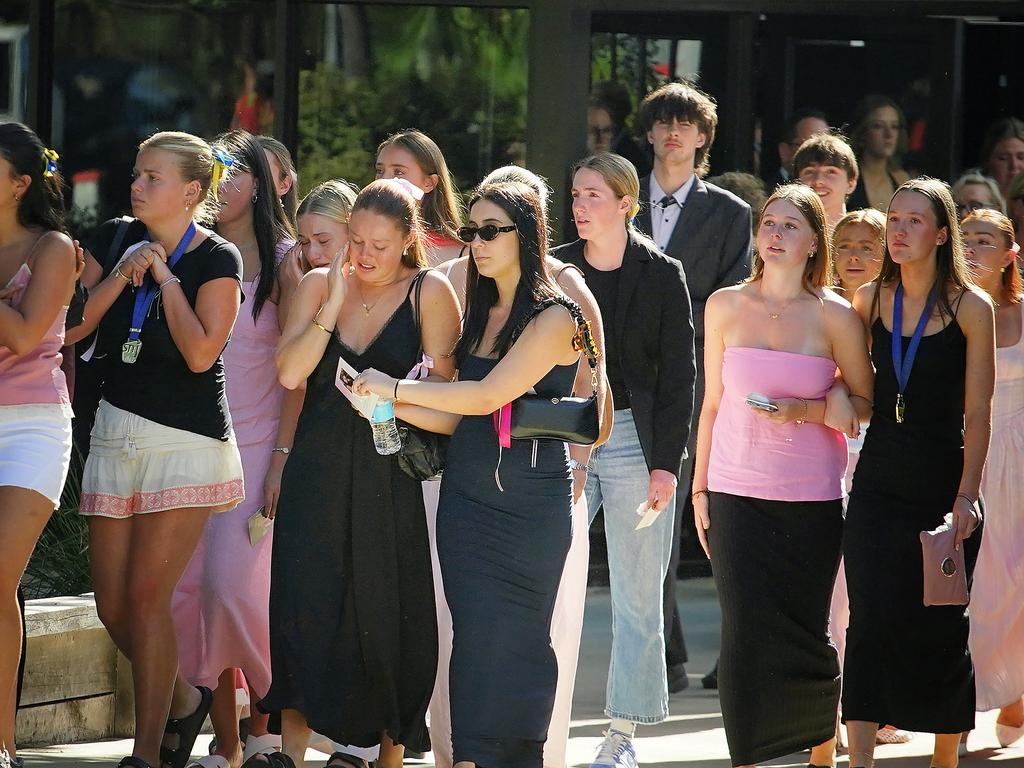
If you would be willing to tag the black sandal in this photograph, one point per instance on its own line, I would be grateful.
(273, 760)
(187, 730)
(348, 761)
(133, 762)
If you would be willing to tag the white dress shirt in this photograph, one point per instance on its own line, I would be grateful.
(664, 218)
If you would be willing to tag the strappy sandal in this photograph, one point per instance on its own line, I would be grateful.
(187, 730)
(273, 760)
(346, 760)
(133, 762)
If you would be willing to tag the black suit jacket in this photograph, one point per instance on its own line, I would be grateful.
(712, 239)
(654, 335)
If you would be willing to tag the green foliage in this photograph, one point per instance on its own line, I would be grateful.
(60, 562)
(459, 74)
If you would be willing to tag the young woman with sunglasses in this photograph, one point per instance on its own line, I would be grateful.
(37, 275)
(997, 596)
(504, 522)
(567, 620)
(163, 454)
(352, 639)
(220, 603)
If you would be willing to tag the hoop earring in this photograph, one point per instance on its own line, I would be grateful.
(254, 197)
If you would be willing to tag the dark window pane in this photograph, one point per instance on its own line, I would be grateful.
(125, 69)
(13, 59)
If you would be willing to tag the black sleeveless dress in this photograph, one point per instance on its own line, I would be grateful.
(906, 664)
(353, 634)
(502, 556)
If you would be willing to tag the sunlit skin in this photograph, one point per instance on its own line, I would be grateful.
(971, 197)
(500, 257)
(595, 208)
(234, 198)
(858, 256)
(784, 238)
(322, 238)
(676, 142)
(883, 132)
(1006, 161)
(832, 185)
(282, 182)
(156, 191)
(600, 130)
(805, 128)
(396, 162)
(912, 232)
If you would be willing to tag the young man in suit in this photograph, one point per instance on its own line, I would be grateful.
(709, 231)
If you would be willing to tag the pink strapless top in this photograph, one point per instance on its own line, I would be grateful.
(34, 378)
(754, 457)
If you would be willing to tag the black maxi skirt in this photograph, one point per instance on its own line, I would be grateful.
(775, 564)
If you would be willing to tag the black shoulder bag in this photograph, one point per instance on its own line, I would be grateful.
(423, 452)
(569, 419)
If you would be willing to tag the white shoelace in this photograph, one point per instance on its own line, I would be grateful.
(614, 744)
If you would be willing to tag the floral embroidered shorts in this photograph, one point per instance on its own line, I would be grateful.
(137, 466)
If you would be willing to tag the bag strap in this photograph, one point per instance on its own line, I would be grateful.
(115, 244)
(583, 340)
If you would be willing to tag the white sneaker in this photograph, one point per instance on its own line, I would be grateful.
(616, 751)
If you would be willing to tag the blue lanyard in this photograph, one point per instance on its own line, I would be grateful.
(144, 299)
(901, 364)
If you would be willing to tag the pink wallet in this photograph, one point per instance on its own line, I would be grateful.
(945, 577)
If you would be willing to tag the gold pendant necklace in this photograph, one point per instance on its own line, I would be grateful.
(783, 308)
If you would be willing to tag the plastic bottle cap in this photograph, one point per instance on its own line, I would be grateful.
(383, 411)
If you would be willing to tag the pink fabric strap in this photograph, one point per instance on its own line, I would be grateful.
(503, 425)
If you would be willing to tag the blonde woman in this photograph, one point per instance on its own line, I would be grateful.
(648, 336)
(163, 454)
(997, 597)
(323, 217)
(973, 191)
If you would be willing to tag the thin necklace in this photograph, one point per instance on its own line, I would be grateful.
(783, 308)
(368, 308)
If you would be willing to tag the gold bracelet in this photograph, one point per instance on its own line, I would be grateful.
(802, 418)
(702, 491)
(122, 275)
(316, 321)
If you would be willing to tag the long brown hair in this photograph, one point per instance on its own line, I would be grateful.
(819, 268)
(439, 207)
(1012, 282)
(951, 264)
(390, 199)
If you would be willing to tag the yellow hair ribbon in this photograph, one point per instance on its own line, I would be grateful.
(222, 161)
(50, 159)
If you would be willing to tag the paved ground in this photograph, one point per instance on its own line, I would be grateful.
(692, 737)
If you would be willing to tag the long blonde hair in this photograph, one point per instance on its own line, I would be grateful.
(333, 198)
(195, 161)
(819, 267)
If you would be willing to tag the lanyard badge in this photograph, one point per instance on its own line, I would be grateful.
(144, 299)
(901, 364)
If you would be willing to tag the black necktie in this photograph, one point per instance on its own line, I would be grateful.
(667, 201)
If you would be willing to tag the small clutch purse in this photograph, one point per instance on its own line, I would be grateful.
(945, 575)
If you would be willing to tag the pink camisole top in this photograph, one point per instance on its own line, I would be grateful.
(34, 378)
(758, 458)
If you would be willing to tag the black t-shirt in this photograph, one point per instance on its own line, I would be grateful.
(159, 386)
(605, 287)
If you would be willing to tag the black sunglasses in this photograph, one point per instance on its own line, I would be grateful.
(487, 232)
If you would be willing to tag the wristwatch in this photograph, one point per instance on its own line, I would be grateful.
(576, 466)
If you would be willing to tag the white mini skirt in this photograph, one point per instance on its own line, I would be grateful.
(137, 466)
(35, 448)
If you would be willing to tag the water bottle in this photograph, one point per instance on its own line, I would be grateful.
(385, 432)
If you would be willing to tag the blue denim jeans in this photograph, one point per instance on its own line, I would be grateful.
(637, 563)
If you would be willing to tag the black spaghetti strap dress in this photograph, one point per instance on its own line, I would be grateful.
(502, 554)
(353, 633)
(906, 664)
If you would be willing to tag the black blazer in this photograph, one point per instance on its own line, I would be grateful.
(712, 238)
(654, 335)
